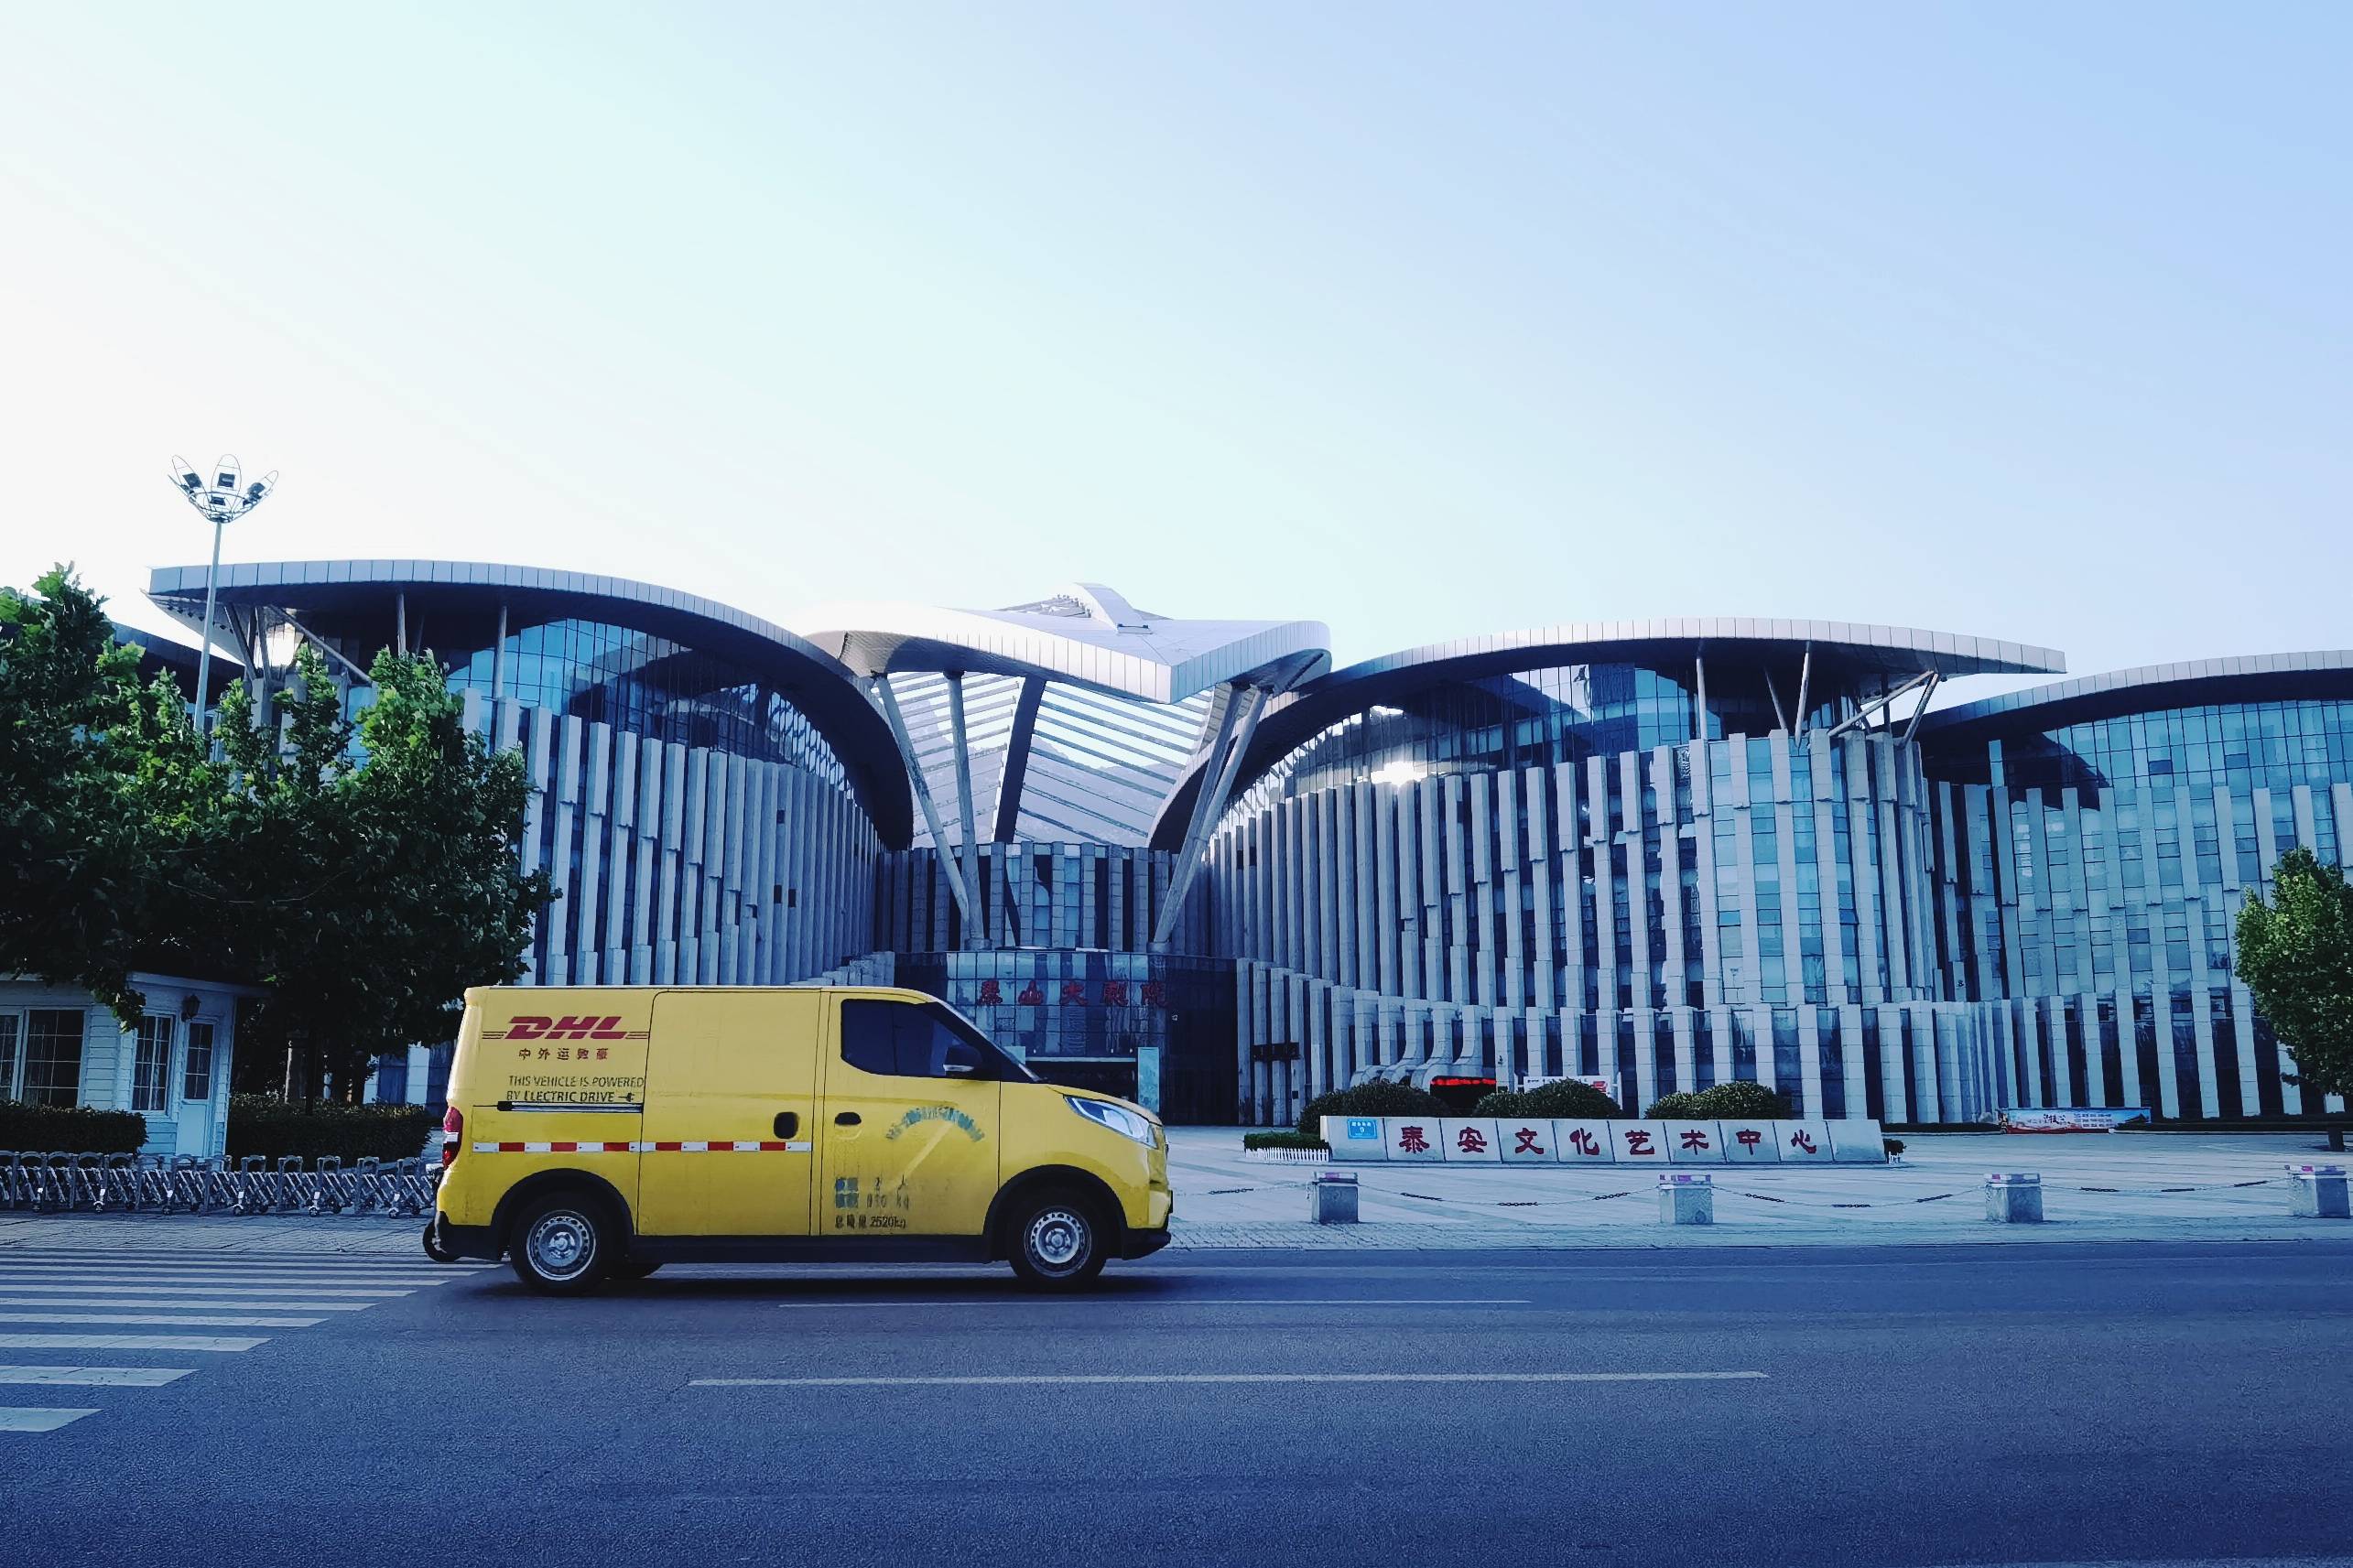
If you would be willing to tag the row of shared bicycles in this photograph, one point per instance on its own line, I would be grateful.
(57, 1181)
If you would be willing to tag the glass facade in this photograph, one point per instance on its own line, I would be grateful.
(2095, 872)
(648, 686)
(1100, 1019)
(1564, 713)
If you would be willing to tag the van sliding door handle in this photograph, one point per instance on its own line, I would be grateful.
(787, 1123)
(846, 1119)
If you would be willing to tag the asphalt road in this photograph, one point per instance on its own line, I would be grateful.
(1892, 1406)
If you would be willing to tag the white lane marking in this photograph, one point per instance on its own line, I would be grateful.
(160, 1320)
(95, 1376)
(1217, 1301)
(1096, 1378)
(223, 1292)
(179, 1304)
(131, 1341)
(26, 1418)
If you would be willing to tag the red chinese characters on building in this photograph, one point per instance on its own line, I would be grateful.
(1115, 993)
(1584, 1142)
(992, 993)
(1695, 1138)
(1523, 1141)
(1030, 996)
(1638, 1141)
(1470, 1141)
(1411, 1142)
(1748, 1137)
(1154, 994)
(1073, 994)
(1801, 1138)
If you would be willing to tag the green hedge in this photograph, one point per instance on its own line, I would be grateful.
(1566, 1100)
(1377, 1098)
(1739, 1100)
(70, 1129)
(1282, 1138)
(260, 1124)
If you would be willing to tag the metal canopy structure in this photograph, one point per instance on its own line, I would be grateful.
(2191, 684)
(1080, 710)
(1888, 661)
(257, 595)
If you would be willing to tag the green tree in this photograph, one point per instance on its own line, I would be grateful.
(361, 876)
(379, 881)
(100, 784)
(2295, 953)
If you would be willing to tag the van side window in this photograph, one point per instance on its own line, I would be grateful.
(902, 1039)
(866, 1036)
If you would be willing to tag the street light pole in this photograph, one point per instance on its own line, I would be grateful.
(223, 499)
(204, 644)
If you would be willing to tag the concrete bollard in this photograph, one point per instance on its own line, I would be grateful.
(1332, 1198)
(2318, 1192)
(1686, 1198)
(2013, 1198)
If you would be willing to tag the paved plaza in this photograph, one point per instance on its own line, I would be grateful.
(2115, 1186)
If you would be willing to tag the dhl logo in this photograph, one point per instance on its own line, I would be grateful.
(566, 1028)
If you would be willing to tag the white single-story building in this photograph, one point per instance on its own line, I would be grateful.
(59, 1045)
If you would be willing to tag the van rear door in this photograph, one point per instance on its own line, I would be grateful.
(730, 1088)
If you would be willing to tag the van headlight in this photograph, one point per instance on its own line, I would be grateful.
(1118, 1118)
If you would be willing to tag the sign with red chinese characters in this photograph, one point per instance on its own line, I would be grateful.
(1751, 1143)
(1803, 1142)
(1115, 993)
(1413, 1139)
(992, 993)
(1640, 1142)
(1694, 1144)
(1525, 1142)
(1030, 996)
(1471, 1140)
(1154, 994)
(1584, 1143)
(1074, 994)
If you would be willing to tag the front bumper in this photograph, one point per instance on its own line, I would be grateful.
(1145, 1243)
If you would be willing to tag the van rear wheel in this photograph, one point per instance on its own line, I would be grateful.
(563, 1244)
(1057, 1242)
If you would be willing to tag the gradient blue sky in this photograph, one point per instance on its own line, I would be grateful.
(2025, 320)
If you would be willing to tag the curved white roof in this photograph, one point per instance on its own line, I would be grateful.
(1086, 634)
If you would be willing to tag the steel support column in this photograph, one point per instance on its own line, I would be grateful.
(1243, 706)
(879, 686)
(968, 849)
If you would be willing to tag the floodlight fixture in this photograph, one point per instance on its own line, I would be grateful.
(222, 495)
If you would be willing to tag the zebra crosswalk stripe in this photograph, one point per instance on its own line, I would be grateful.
(95, 1377)
(30, 1418)
(162, 1320)
(177, 1304)
(227, 1344)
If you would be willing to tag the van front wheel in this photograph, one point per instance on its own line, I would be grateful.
(562, 1244)
(1058, 1243)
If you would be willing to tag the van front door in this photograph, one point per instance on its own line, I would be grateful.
(731, 1083)
(910, 1124)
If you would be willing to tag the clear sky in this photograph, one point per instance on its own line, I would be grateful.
(2025, 321)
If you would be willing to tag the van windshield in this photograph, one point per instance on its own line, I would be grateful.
(999, 1066)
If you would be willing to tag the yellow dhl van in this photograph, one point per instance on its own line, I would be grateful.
(596, 1133)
